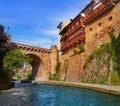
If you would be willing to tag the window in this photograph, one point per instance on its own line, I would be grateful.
(109, 27)
(90, 29)
(110, 18)
(100, 24)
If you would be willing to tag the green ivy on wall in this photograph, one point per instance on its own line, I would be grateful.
(56, 75)
(112, 49)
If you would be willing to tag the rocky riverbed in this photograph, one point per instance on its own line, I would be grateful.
(14, 97)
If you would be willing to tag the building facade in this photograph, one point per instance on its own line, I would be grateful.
(74, 34)
(89, 28)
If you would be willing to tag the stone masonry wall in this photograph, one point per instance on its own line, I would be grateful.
(96, 34)
(74, 68)
(43, 68)
(54, 58)
(97, 30)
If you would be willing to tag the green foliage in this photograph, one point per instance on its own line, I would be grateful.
(58, 67)
(75, 52)
(81, 50)
(115, 41)
(14, 59)
(91, 56)
(104, 49)
(56, 75)
(112, 49)
(52, 76)
(103, 81)
(3, 50)
(115, 79)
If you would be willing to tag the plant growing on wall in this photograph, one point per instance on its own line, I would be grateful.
(115, 42)
(56, 75)
(80, 50)
(111, 50)
(14, 60)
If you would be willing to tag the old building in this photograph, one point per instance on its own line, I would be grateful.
(101, 17)
(89, 28)
(61, 26)
(74, 34)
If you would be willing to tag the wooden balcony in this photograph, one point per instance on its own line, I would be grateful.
(101, 9)
(64, 46)
(74, 29)
(77, 39)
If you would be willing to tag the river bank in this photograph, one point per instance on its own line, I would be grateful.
(17, 97)
(13, 97)
(114, 90)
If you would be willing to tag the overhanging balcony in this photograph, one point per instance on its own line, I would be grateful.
(95, 13)
(77, 39)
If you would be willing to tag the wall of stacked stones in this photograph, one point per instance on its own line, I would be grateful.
(96, 34)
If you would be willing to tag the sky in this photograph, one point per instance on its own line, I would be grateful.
(35, 22)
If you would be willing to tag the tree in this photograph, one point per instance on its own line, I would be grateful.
(4, 48)
(14, 59)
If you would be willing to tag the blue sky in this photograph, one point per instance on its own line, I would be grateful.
(34, 21)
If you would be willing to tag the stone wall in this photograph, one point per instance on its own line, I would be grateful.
(97, 30)
(74, 69)
(96, 69)
(54, 58)
(72, 66)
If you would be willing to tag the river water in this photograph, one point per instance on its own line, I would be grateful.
(56, 95)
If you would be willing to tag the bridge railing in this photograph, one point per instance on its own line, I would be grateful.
(30, 44)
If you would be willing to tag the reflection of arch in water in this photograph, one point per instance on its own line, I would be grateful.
(36, 65)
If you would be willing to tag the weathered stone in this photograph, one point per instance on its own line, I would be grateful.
(72, 66)
(44, 60)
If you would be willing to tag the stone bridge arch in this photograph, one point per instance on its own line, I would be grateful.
(44, 60)
(36, 64)
(41, 60)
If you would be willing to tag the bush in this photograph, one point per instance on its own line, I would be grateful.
(52, 76)
(81, 50)
(115, 79)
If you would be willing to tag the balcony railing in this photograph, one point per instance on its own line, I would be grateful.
(104, 6)
(77, 40)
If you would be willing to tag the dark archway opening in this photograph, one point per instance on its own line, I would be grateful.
(35, 66)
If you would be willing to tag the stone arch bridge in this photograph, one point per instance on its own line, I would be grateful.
(44, 60)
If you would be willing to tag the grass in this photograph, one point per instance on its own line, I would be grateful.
(115, 79)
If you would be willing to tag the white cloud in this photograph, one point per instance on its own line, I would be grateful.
(47, 32)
